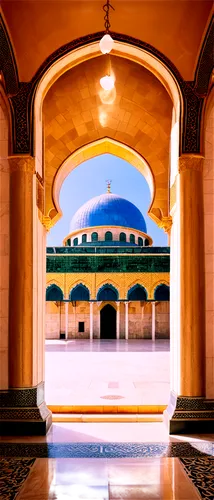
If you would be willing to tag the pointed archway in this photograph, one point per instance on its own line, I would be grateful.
(108, 316)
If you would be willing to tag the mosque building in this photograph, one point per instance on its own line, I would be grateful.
(107, 281)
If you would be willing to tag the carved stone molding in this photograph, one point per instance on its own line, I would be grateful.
(189, 414)
(22, 164)
(21, 105)
(192, 119)
(7, 61)
(46, 221)
(22, 102)
(205, 62)
(31, 397)
(191, 162)
(166, 223)
(40, 193)
(24, 411)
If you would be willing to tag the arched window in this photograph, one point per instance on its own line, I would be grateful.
(69, 242)
(140, 241)
(54, 294)
(107, 292)
(122, 237)
(75, 242)
(79, 292)
(162, 293)
(146, 242)
(84, 238)
(108, 236)
(132, 238)
(137, 292)
(94, 236)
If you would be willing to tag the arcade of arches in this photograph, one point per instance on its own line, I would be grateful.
(161, 117)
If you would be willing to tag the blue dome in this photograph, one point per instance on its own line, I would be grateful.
(108, 210)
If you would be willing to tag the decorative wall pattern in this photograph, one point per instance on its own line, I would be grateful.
(121, 281)
(23, 105)
(110, 264)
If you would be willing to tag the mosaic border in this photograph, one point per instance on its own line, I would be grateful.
(13, 474)
(33, 396)
(107, 450)
(201, 473)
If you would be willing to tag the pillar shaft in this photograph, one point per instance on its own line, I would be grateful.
(192, 306)
(118, 320)
(66, 319)
(91, 320)
(153, 321)
(21, 273)
(23, 407)
(126, 320)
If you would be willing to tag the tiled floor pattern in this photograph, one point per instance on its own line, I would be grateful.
(93, 479)
(13, 473)
(82, 462)
(201, 472)
(134, 372)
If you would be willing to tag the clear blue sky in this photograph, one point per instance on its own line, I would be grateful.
(89, 180)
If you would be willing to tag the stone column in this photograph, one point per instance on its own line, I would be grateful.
(91, 320)
(21, 273)
(153, 321)
(26, 386)
(126, 320)
(66, 319)
(188, 410)
(118, 321)
(192, 307)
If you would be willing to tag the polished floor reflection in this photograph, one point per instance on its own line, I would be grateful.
(92, 479)
(107, 462)
(134, 372)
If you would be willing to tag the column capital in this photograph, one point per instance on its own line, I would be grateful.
(166, 223)
(191, 162)
(45, 221)
(22, 164)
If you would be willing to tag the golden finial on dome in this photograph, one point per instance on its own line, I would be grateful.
(108, 183)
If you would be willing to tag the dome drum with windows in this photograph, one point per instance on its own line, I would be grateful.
(108, 220)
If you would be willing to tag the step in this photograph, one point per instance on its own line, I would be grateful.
(62, 417)
(108, 409)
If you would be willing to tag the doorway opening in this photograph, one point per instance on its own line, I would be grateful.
(108, 322)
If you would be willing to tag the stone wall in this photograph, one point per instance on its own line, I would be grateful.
(140, 320)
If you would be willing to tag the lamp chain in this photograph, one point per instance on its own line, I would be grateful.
(106, 8)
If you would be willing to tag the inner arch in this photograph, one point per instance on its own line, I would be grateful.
(92, 150)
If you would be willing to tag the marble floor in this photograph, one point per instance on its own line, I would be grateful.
(80, 372)
(107, 462)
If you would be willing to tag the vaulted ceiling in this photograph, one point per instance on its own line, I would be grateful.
(139, 115)
(174, 27)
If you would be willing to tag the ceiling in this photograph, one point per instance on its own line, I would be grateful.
(139, 116)
(39, 27)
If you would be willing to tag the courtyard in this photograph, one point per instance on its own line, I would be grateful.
(107, 372)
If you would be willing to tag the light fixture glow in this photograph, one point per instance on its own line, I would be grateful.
(107, 82)
(106, 44)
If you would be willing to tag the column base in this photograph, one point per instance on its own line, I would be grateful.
(189, 415)
(24, 412)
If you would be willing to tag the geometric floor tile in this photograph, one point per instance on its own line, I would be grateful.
(13, 473)
(107, 450)
(201, 473)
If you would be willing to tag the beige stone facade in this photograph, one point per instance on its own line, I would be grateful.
(139, 325)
